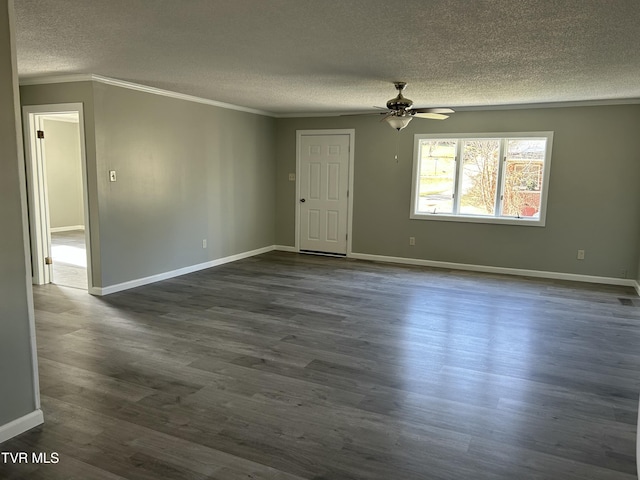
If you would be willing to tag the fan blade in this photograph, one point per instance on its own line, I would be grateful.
(432, 116)
(432, 110)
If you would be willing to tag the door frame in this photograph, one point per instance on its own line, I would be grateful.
(352, 134)
(37, 188)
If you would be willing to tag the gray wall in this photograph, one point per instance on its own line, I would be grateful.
(64, 173)
(17, 397)
(186, 172)
(189, 171)
(593, 203)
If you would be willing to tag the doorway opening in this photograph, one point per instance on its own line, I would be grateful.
(58, 200)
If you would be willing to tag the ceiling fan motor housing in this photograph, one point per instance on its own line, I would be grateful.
(399, 102)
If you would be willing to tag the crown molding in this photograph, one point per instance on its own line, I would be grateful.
(568, 104)
(191, 98)
(141, 88)
(55, 79)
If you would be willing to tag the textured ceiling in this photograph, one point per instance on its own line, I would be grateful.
(330, 56)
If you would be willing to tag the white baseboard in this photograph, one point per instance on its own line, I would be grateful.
(66, 229)
(285, 248)
(21, 425)
(501, 270)
(100, 291)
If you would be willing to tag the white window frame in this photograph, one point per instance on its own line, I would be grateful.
(448, 217)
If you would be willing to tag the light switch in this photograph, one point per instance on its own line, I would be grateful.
(112, 175)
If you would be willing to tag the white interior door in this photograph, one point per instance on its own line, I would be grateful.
(323, 188)
(39, 205)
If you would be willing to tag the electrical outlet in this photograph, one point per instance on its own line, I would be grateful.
(580, 254)
(292, 177)
(204, 243)
(412, 241)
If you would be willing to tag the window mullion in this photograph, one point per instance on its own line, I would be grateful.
(457, 179)
(501, 172)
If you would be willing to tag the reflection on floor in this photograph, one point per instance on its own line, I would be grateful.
(69, 258)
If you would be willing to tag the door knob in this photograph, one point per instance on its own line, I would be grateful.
(302, 200)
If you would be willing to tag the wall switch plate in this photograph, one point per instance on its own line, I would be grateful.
(412, 241)
(292, 177)
(580, 254)
(204, 243)
(112, 175)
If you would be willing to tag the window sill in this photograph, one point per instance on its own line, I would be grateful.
(443, 217)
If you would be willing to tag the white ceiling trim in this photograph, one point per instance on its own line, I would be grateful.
(140, 88)
(190, 98)
(55, 79)
(576, 103)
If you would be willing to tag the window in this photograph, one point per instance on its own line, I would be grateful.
(488, 178)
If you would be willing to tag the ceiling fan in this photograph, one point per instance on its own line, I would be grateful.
(400, 112)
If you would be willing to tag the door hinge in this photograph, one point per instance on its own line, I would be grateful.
(48, 261)
(40, 133)
(347, 193)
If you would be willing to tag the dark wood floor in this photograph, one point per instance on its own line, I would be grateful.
(290, 367)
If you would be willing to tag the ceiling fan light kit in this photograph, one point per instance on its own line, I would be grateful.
(398, 122)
